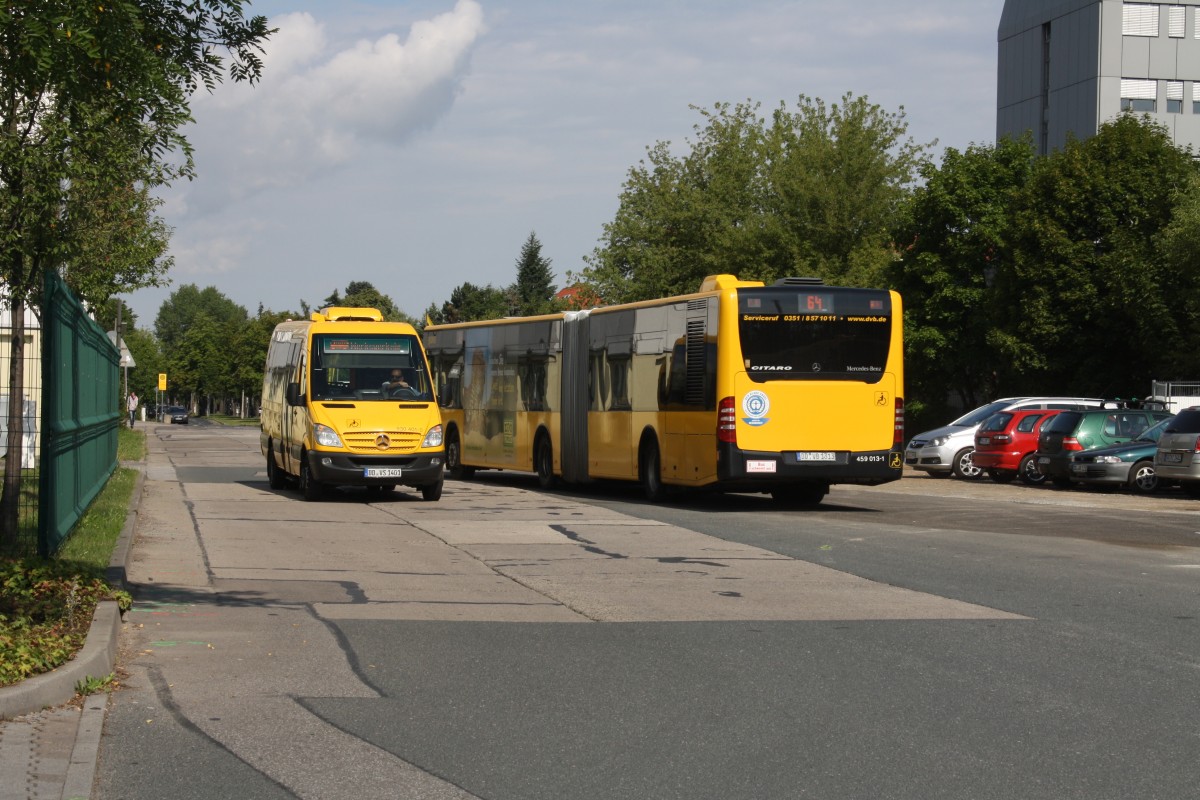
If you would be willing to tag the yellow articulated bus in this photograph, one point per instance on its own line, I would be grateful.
(347, 401)
(782, 389)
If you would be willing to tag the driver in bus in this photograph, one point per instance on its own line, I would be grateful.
(396, 381)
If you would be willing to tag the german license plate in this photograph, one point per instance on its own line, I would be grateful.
(985, 440)
(760, 466)
(382, 472)
(816, 455)
(1044, 460)
(1079, 468)
(1172, 458)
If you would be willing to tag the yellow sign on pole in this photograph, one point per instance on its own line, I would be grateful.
(162, 381)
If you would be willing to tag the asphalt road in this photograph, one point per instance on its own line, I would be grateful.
(928, 639)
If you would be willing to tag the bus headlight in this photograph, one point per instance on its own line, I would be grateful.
(433, 438)
(326, 436)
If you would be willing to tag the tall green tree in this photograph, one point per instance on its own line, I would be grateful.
(1093, 307)
(93, 97)
(469, 302)
(954, 238)
(363, 294)
(188, 306)
(535, 281)
(810, 191)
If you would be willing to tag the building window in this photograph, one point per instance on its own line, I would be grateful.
(1174, 97)
(1196, 25)
(1196, 97)
(1139, 19)
(1138, 94)
(1175, 18)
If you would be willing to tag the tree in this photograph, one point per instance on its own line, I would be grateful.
(953, 238)
(470, 302)
(813, 191)
(92, 100)
(248, 353)
(1091, 301)
(534, 287)
(362, 294)
(189, 305)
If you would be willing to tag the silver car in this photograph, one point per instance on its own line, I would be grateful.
(1178, 454)
(947, 450)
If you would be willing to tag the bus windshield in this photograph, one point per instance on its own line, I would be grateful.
(368, 367)
(814, 333)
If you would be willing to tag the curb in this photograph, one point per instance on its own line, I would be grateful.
(98, 656)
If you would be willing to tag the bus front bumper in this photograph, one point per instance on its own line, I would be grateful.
(764, 470)
(346, 469)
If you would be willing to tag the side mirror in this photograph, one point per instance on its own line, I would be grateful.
(294, 398)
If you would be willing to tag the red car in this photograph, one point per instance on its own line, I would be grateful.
(1006, 445)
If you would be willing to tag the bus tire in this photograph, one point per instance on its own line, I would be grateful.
(275, 477)
(543, 461)
(454, 465)
(310, 488)
(431, 492)
(650, 472)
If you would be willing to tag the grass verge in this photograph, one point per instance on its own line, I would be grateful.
(225, 419)
(46, 605)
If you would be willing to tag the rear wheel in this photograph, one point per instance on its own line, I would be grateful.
(1142, 478)
(432, 492)
(311, 488)
(454, 465)
(650, 473)
(1029, 472)
(275, 477)
(964, 465)
(543, 461)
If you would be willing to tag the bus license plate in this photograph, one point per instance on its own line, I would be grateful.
(760, 466)
(821, 455)
(382, 472)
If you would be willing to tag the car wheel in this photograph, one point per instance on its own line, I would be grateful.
(311, 488)
(275, 476)
(454, 465)
(1142, 478)
(543, 462)
(1029, 472)
(650, 473)
(964, 465)
(432, 492)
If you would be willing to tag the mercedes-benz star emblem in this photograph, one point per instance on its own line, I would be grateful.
(382, 441)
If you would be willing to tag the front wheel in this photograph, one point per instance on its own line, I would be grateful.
(650, 473)
(311, 488)
(964, 465)
(432, 492)
(1142, 478)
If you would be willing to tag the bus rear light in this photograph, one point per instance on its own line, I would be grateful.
(898, 435)
(727, 421)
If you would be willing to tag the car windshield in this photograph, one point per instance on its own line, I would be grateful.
(381, 367)
(1154, 432)
(979, 415)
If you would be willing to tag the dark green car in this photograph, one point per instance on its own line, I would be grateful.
(1126, 464)
(1072, 432)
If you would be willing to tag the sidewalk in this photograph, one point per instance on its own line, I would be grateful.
(48, 749)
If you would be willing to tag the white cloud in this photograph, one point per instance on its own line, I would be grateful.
(320, 105)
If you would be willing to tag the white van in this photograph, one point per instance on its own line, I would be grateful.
(948, 450)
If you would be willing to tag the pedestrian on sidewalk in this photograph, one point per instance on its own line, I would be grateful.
(132, 404)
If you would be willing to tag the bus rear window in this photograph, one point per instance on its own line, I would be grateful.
(822, 333)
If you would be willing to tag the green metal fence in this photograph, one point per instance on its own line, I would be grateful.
(80, 414)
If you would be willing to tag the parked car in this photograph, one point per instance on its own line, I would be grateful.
(1125, 464)
(948, 450)
(1072, 432)
(1006, 444)
(176, 415)
(1178, 454)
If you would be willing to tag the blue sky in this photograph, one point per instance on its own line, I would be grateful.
(416, 145)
